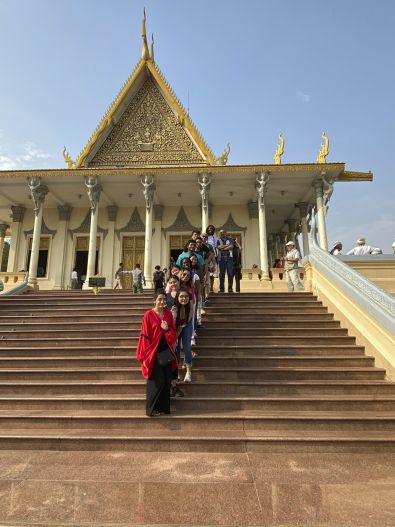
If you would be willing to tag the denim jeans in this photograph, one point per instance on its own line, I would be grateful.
(225, 266)
(185, 337)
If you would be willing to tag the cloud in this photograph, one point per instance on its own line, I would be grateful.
(304, 96)
(27, 156)
(7, 163)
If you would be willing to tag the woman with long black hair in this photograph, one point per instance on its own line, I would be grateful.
(184, 326)
(156, 353)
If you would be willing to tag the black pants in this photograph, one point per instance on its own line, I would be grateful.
(158, 390)
(237, 275)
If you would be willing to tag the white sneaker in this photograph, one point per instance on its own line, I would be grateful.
(203, 312)
(193, 343)
(188, 377)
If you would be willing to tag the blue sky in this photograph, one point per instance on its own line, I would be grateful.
(248, 69)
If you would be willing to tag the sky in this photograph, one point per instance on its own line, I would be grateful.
(246, 70)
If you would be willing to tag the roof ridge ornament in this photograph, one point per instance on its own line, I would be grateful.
(324, 149)
(152, 48)
(280, 150)
(67, 158)
(144, 52)
(223, 158)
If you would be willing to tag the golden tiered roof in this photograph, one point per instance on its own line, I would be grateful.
(170, 136)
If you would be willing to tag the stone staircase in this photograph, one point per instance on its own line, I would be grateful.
(274, 372)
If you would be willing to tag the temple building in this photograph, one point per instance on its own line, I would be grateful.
(143, 181)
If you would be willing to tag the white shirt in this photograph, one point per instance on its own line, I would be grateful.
(361, 250)
(294, 254)
(74, 275)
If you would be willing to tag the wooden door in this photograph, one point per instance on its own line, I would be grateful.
(132, 253)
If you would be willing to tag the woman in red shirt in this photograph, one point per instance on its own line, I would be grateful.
(157, 334)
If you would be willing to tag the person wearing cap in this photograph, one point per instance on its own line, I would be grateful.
(362, 249)
(291, 267)
(336, 249)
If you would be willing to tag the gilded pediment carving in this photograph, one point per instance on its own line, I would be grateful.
(44, 230)
(231, 226)
(148, 133)
(180, 224)
(135, 224)
(85, 226)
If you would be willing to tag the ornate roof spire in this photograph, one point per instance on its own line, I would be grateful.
(152, 48)
(144, 51)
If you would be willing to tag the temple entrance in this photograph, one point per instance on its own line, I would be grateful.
(42, 264)
(176, 245)
(81, 257)
(132, 253)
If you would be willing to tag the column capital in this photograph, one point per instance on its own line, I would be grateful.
(17, 213)
(94, 189)
(261, 181)
(148, 182)
(112, 211)
(302, 206)
(64, 212)
(38, 192)
(253, 209)
(204, 181)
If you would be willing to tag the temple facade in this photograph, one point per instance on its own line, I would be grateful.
(145, 179)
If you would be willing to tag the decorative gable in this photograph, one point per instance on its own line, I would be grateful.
(148, 133)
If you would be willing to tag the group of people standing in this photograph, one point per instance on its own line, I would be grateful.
(179, 300)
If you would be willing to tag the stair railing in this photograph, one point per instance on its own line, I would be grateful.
(18, 289)
(369, 296)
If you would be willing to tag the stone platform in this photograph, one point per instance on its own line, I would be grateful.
(52, 488)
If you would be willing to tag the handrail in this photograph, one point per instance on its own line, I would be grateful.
(372, 298)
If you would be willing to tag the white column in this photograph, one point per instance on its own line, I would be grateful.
(158, 236)
(262, 180)
(251, 250)
(302, 206)
(148, 183)
(94, 189)
(204, 182)
(109, 246)
(3, 230)
(17, 214)
(60, 246)
(38, 192)
(318, 185)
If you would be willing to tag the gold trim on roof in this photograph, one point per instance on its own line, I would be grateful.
(188, 169)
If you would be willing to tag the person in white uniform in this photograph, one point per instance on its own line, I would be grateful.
(361, 248)
(291, 267)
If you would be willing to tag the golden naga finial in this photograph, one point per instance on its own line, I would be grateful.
(144, 51)
(66, 156)
(279, 151)
(152, 48)
(324, 150)
(223, 158)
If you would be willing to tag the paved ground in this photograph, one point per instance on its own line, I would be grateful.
(120, 489)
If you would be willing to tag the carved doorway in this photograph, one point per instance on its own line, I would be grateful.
(176, 245)
(132, 253)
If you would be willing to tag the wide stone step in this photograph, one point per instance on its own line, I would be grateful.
(104, 331)
(134, 322)
(199, 374)
(203, 351)
(324, 403)
(202, 361)
(222, 441)
(254, 388)
(282, 340)
(254, 423)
